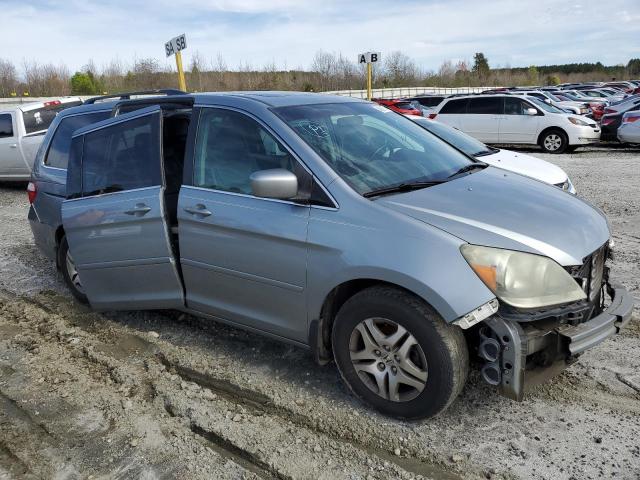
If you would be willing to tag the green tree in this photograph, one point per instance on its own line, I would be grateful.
(552, 80)
(633, 67)
(480, 66)
(82, 84)
(532, 75)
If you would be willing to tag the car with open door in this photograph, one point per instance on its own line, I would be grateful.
(337, 225)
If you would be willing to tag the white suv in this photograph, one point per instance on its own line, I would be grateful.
(516, 119)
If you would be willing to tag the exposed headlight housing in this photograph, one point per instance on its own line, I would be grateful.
(577, 121)
(522, 280)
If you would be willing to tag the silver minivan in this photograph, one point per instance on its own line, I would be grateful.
(343, 227)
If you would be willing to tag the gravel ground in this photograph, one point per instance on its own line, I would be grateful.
(165, 395)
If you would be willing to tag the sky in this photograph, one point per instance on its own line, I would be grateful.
(287, 33)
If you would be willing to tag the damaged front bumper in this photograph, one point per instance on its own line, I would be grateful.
(530, 353)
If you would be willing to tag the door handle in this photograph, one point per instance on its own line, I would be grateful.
(13, 145)
(199, 209)
(140, 210)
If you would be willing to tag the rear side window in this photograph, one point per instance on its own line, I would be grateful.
(58, 154)
(6, 126)
(455, 106)
(486, 105)
(39, 119)
(124, 156)
(429, 101)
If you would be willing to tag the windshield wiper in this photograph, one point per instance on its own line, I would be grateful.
(468, 168)
(403, 187)
(483, 153)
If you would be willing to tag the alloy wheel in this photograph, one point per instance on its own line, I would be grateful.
(388, 359)
(552, 142)
(73, 274)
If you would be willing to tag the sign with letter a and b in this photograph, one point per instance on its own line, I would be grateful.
(369, 57)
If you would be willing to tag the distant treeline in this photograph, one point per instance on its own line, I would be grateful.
(328, 71)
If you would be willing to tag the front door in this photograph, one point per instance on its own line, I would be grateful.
(243, 257)
(116, 226)
(517, 126)
(10, 161)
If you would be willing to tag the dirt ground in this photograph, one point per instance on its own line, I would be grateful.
(164, 395)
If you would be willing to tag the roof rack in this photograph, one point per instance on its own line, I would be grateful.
(127, 95)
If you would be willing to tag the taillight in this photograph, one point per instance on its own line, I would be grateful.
(32, 192)
(607, 121)
(52, 103)
(630, 118)
(432, 116)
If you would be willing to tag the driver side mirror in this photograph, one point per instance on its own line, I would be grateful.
(274, 183)
(531, 111)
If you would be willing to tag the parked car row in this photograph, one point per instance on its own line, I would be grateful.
(562, 118)
(387, 245)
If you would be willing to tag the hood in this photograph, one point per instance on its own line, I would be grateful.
(499, 209)
(526, 165)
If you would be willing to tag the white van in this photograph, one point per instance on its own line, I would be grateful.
(21, 132)
(516, 119)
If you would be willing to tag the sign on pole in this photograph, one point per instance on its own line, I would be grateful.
(369, 58)
(175, 47)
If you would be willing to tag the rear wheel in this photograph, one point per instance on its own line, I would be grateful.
(397, 354)
(69, 272)
(554, 141)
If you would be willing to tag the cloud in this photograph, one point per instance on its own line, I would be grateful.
(289, 32)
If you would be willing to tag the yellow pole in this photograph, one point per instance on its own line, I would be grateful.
(182, 83)
(368, 81)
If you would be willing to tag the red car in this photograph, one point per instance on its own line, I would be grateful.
(597, 110)
(405, 107)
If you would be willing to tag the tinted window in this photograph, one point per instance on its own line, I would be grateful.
(231, 146)
(122, 157)
(486, 105)
(455, 106)
(6, 126)
(58, 154)
(515, 106)
(39, 119)
(370, 147)
(429, 101)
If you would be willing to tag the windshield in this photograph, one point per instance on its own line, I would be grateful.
(458, 139)
(371, 147)
(544, 106)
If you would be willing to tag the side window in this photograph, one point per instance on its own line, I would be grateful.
(515, 106)
(6, 126)
(124, 156)
(486, 105)
(455, 106)
(58, 153)
(230, 146)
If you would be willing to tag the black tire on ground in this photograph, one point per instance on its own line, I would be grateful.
(62, 261)
(554, 141)
(444, 350)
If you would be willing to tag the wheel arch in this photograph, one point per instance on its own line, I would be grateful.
(549, 129)
(320, 328)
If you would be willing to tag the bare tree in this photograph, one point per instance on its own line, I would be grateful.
(8, 78)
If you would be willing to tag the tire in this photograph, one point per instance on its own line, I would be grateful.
(439, 359)
(554, 141)
(70, 277)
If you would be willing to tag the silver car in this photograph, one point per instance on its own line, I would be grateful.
(629, 130)
(340, 226)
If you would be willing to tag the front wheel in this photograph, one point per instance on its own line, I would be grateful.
(397, 354)
(69, 272)
(554, 141)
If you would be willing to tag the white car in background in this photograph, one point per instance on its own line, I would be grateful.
(513, 161)
(517, 119)
(21, 132)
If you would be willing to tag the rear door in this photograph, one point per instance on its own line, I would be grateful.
(482, 120)
(10, 161)
(115, 219)
(453, 112)
(516, 125)
(243, 257)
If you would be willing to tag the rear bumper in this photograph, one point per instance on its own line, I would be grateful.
(531, 354)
